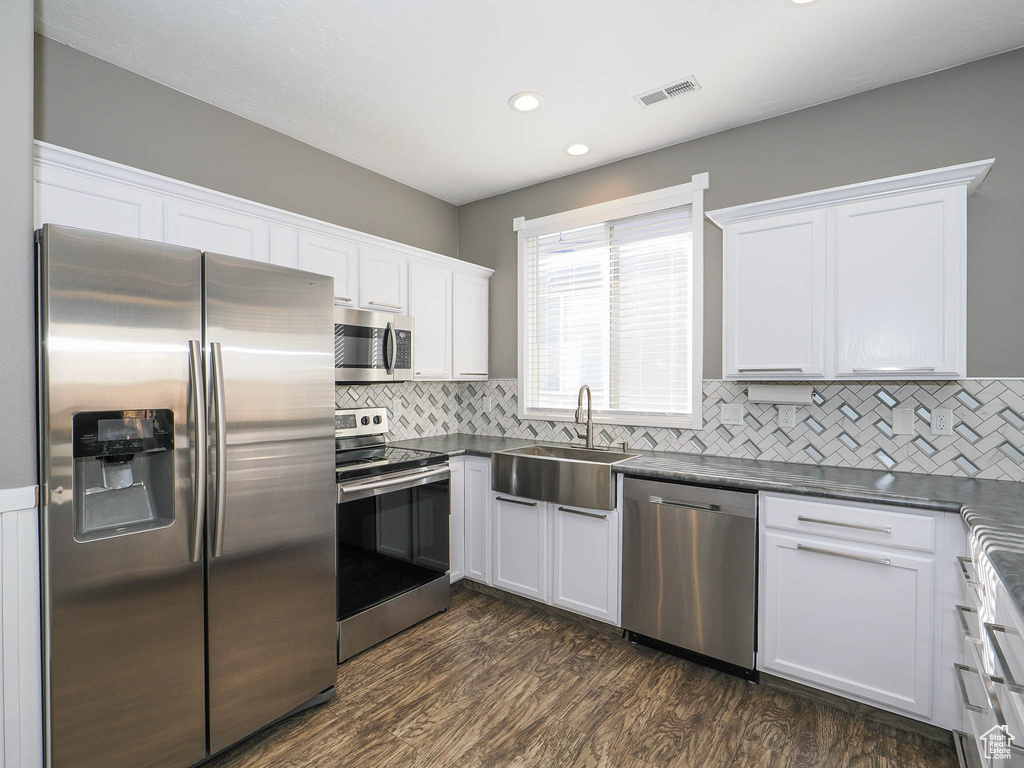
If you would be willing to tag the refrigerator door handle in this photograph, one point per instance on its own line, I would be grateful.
(199, 447)
(220, 470)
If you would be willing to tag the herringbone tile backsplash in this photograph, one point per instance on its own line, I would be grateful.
(849, 424)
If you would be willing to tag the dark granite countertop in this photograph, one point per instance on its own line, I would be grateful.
(993, 509)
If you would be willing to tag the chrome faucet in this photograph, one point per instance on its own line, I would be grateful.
(589, 434)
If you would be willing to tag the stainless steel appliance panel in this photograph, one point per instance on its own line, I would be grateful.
(688, 568)
(124, 681)
(271, 511)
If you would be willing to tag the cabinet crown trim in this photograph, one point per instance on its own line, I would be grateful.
(970, 174)
(53, 156)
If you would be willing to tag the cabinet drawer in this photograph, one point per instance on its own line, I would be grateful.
(880, 526)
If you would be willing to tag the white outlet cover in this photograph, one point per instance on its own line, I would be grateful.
(487, 404)
(787, 416)
(396, 407)
(942, 421)
(903, 420)
(732, 414)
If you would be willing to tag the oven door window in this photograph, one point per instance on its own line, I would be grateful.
(357, 347)
(390, 544)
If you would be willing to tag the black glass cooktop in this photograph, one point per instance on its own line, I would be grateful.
(383, 460)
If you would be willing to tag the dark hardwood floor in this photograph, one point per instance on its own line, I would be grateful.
(491, 683)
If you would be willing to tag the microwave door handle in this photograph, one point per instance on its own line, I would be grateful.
(389, 348)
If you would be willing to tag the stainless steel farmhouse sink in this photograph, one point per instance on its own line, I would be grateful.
(578, 477)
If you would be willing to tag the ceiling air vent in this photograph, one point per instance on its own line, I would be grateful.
(666, 92)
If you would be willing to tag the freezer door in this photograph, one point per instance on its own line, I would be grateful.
(124, 679)
(271, 502)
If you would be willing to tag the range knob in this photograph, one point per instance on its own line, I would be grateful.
(365, 420)
(377, 419)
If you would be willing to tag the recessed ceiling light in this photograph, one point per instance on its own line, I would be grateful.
(577, 148)
(525, 102)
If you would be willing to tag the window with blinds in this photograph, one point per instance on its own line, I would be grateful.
(611, 305)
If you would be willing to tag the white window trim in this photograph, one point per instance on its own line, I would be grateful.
(691, 194)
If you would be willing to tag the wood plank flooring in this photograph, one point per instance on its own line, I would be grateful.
(490, 683)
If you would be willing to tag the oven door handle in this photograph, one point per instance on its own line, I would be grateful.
(403, 481)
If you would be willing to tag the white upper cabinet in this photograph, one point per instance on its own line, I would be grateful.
(901, 288)
(775, 296)
(469, 327)
(87, 202)
(332, 256)
(430, 304)
(383, 281)
(213, 229)
(867, 281)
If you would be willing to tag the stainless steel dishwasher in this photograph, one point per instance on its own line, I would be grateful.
(689, 572)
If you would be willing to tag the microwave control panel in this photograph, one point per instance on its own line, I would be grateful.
(403, 349)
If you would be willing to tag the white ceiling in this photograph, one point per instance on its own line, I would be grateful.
(417, 90)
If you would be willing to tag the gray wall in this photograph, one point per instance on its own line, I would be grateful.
(17, 308)
(972, 112)
(89, 105)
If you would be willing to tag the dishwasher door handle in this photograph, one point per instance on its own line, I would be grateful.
(685, 505)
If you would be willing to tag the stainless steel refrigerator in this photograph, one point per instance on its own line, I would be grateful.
(188, 498)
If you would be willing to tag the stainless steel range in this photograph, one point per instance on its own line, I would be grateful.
(393, 507)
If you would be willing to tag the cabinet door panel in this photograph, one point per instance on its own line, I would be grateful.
(520, 546)
(585, 551)
(478, 520)
(430, 303)
(470, 327)
(457, 522)
(851, 619)
(331, 256)
(102, 206)
(212, 229)
(775, 278)
(900, 264)
(383, 281)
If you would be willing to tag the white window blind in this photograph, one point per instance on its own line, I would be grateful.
(611, 305)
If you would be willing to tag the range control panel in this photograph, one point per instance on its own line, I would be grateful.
(354, 422)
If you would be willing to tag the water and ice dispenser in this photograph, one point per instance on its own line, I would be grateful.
(124, 471)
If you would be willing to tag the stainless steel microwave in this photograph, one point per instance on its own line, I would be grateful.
(372, 346)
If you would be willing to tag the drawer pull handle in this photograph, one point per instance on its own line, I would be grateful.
(850, 555)
(1008, 676)
(516, 501)
(964, 562)
(342, 298)
(384, 304)
(966, 697)
(581, 512)
(858, 526)
(771, 369)
(472, 374)
(962, 611)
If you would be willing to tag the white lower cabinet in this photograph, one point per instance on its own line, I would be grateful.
(457, 521)
(477, 485)
(585, 561)
(851, 618)
(520, 546)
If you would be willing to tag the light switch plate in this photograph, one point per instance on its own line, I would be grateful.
(903, 420)
(942, 421)
(396, 408)
(787, 416)
(732, 414)
(488, 404)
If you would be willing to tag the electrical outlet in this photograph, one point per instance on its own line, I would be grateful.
(787, 416)
(487, 404)
(903, 420)
(942, 421)
(732, 414)
(396, 408)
